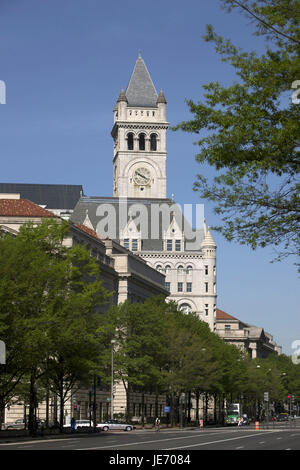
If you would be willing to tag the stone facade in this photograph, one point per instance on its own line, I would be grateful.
(123, 273)
(251, 339)
(139, 134)
(139, 216)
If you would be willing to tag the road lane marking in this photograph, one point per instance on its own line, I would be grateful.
(147, 442)
(169, 439)
(214, 442)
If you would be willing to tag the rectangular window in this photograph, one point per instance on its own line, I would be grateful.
(227, 327)
(206, 310)
(206, 287)
(214, 270)
(189, 287)
(180, 287)
(169, 245)
(168, 286)
(206, 270)
(177, 245)
(134, 244)
(126, 243)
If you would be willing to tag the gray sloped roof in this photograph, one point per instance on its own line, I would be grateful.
(53, 196)
(140, 90)
(152, 217)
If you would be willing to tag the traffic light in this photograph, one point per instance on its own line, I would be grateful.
(75, 406)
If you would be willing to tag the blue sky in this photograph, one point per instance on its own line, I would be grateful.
(64, 64)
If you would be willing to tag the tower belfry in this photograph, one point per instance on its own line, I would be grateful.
(139, 134)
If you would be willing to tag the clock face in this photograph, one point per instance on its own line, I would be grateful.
(142, 176)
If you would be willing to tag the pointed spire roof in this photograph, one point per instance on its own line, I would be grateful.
(208, 239)
(122, 96)
(87, 221)
(161, 98)
(140, 90)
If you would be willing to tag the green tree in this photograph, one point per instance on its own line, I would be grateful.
(251, 131)
(137, 329)
(191, 363)
(49, 299)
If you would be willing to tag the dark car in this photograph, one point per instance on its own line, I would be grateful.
(282, 417)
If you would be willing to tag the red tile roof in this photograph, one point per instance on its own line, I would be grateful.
(88, 230)
(22, 208)
(220, 315)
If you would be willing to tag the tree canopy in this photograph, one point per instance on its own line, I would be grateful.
(49, 311)
(250, 131)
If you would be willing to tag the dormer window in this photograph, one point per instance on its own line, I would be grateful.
(142, 141)
(169, 245)
(177, 245)
(134, 244)
(153, 142)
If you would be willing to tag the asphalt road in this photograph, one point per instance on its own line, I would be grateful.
(122, 443)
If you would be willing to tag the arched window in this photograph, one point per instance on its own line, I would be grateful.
(153, 142)
(130, 141)
(159, 267)
(189, 269)
(168, 269)
(142, 142)
(180, 269)
(185, 308)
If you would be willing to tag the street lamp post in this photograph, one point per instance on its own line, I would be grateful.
(112, 380)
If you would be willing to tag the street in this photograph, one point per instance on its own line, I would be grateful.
(168, 440)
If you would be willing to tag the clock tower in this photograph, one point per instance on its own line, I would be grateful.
(139, 134)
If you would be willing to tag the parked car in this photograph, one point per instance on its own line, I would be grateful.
(18, 424)
(114, 424)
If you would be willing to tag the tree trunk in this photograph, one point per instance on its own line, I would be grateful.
(61, 406)
(128, 403)
(197, 405)
(32, 404)
(2, 411)
(143, 410)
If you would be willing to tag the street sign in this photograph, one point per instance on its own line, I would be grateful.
(266, 396)
(108, 399)
(167, 409)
